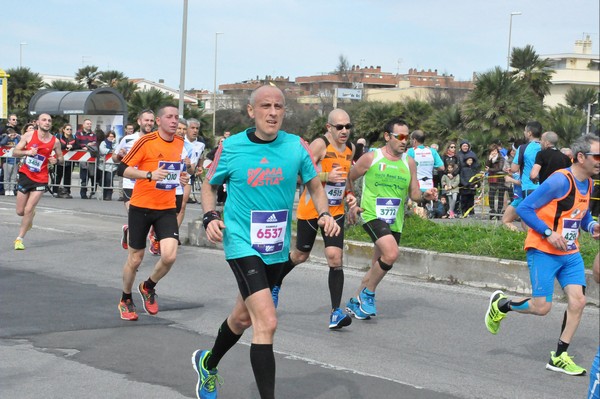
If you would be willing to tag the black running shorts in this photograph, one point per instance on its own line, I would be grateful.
(141, 219)
(25, 184)
(306, 233)
(253, 274)
(378, 228)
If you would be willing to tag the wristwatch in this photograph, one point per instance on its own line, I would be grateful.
(324, 214)
(547, 233)
(149, 176)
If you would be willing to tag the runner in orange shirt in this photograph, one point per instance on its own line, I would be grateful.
(155, 162)
(333, 153)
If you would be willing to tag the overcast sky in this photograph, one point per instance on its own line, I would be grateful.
(290, 38)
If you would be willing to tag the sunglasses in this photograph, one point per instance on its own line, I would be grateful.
(347, 126)
(594, 155)
(452, 146)
(399, 136)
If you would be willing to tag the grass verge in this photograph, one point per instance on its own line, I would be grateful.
(469, 238)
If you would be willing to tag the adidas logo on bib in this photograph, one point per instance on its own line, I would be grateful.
(272, 218)
(389, 202)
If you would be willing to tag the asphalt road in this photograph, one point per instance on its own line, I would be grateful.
(61, 335)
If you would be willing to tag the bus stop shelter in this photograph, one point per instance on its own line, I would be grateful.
(104, 106)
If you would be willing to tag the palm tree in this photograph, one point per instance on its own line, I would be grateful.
(65, 85)
(416, 112)
(22, 85)
(445, 124)
(535, 72)
(498, 106)
(371, 119)
(126, 88)
(569, 123)
(111, 78)
(88, 76)
(148, 99)
(579, 97)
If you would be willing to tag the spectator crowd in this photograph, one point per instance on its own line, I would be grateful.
(471, 182)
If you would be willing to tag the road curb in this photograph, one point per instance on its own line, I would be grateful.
(473, 271)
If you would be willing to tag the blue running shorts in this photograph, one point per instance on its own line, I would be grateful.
(544, 268)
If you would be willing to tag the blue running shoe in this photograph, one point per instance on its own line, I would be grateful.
(275, 295)
(206, 387)
(339, 319)
(366, 301)
(353, 308)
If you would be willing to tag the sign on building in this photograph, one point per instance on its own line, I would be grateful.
(350, 94)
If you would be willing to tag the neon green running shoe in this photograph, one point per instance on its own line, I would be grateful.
(564, 364)
(493, 316)
(19, 246)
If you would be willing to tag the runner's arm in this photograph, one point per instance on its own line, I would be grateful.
(361, 166)
(119, 152)
(535, 172)
(212, 220)
(349, 194)
(437, 161)
(514, 167)
(316, 150)
(556, 186)
(317, 193)
(58, 153)
(19, 150)
(590, 225)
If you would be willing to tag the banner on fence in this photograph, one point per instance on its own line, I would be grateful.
(73, 156)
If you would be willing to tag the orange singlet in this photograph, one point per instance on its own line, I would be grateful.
(335, 191)
(563, 215)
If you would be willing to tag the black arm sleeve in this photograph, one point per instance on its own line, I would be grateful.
(121, 169)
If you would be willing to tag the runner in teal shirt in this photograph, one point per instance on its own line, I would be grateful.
(261, 184)
(260, 166)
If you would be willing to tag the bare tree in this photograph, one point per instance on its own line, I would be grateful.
(342, 68)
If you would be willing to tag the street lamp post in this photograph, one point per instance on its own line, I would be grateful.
(183, 49)
(21, 53)
(215, 86)
(509, 37)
